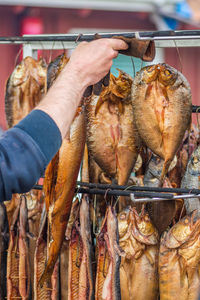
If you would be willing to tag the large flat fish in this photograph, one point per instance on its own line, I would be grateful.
(139, 240)
(108, 277)
(4, 239)
(179, 260)
(111, 135)
(191, 181)
(24, 89)
(161, 98)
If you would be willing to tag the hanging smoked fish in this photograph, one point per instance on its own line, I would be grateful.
(161, 98)
(24, 89)
(49, 291)
(18, 268)
(109, 258)
(191, 181)
(4, 239)
(112, 139)
(59, 185)
(139, 240)
(179, 260)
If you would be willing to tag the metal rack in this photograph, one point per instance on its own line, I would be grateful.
(163, 39)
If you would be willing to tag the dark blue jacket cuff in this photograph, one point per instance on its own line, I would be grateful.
(44, 131)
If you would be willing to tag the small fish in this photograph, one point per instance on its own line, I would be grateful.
(161, 98)
(191, 181)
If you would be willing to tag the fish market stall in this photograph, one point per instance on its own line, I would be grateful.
(118, 213)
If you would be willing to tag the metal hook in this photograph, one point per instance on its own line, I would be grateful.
(179, 56)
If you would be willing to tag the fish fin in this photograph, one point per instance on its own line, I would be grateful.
(98, 105)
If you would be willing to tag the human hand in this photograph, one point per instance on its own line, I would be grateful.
(92, 61)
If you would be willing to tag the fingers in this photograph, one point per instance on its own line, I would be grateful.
(118, 44)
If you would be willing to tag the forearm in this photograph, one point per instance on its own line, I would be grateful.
(63, 98)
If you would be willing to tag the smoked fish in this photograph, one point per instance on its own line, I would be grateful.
(190, 180)
(24, 89)
(4, 239)
(162, 212)
(161, 98)
(60, 181)
(49, 291)
(139, 240)
(179, 259)
(112, 139)
(108, 277)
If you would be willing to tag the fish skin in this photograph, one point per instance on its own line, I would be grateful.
(108, 239)
(139, 241)
(13, 258)
(162, 212)
(55, 67)
(161, 98)
(179, 260)
(24, 89)
(24, 265)
(60, 178)
(4, 239)
(190, 180)
(75, 254)
(111, 138)
(86, 262)
(59, 190)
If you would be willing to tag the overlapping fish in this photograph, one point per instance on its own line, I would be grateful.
(18, 268)
(59, 185)
(112, 139)
(161, 98)
(24, 89)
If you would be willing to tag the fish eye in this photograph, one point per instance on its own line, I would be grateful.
(167, 73)
(186, 221)
(123, 216)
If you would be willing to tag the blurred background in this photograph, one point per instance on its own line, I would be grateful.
(90, 16)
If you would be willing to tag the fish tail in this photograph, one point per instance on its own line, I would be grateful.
(165, 169)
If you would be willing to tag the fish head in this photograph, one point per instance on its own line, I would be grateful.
(149, 73)
(143, 229)
(123, 219)
(167, 75)
(120, 86)
(182, 231)
(194, 163)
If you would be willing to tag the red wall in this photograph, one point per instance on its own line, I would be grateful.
(62, 20)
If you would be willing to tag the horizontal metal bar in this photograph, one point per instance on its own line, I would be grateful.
(139, 188)
(132, 196)
(153, 35)
(111, 192)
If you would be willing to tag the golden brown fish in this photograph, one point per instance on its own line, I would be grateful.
(49, 291)
(179, 260)
(139, 240)
(111, 136)
(24, 89)
(107, 278)
(161, 98)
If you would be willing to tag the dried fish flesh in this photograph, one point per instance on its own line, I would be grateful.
(162, 107)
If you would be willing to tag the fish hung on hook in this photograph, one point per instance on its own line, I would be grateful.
(162, 107)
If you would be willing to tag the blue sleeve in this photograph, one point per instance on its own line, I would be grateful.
(25, 151)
